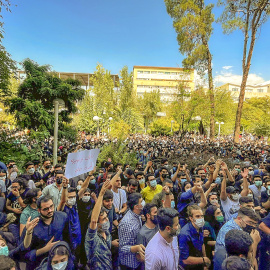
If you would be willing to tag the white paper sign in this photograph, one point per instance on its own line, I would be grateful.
(81, 162)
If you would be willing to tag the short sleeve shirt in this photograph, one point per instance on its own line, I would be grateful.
(28, 212)
(230, 208)
(119, 198)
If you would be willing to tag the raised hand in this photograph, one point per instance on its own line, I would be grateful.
(50, 244)
(30, 225)
(245, 173)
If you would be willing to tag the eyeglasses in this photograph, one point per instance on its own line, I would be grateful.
(48, 208)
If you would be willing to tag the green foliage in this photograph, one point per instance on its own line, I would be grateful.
(162, 126)
(33, 106)
(118, 153)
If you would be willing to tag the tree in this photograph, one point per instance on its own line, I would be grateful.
(192, 20)
(33, 106)
(7, 65)
(247, 16)
(150, 104)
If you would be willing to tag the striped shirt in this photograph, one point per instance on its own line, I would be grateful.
(129, 228)
(161, 255)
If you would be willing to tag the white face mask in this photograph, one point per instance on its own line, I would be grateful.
(31, 171)
(235, 197)
(13, 176)
(79, 187)
(71, 201)
(3, 178)
(60, 266)
(86, 198)
(199, 222)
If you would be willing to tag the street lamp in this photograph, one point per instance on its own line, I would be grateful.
(96, 118)
(172, 125)
(58, 103)
(219, 123)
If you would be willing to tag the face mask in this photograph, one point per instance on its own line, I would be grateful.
(153, 183)
(93, 181)
(218, 180)
(141, 181)
(175, 232)
(79, 187)
(59, 181)
(47, 167)
(110, 170)
(220, 219)
(183, 181)
(172, 204)
(100, 174)
(250, 195)
(31, 171)
(268, 187)
(248, 228)
(4, 251)
(3, 178)
(143, 203)
(199, 222)
(106, 226)
(155, 220)
(187, 189)
(86, 198)
(13, 176)
(235, 197)
(164, 175)
(214, 202)
(71, 201)
(60, 266)
(251, 172)
(258, 183)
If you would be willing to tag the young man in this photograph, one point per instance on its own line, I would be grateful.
(162, 251)
(129, 228)
(150, 228)
(98, 238)
(190, 239)
(152, 188)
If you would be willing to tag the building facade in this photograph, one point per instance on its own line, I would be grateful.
(251, 91)
(164, 79)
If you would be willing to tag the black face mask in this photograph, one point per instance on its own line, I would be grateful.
(155, 220)
(248, 228)
(48, 167)
(164, 175)
(110, 170)
(59, 181)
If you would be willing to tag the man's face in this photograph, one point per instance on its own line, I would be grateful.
(47, 209)
(196, 214)
(118, 167)
(202, 174)
(103, 218)
(247, 222)
(175, 227)
(71, 195)
(108, 203)
(249, 205)
(118, 183)
(15, 186)
(198, 181)
(163, 173)
(132, 189)
(153, 212)
(46, 163)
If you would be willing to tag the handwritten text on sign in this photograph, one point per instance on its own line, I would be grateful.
(81, 162)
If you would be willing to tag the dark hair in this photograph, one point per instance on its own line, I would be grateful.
(163, 161)
(147, 208)
(139, 173)
(6, 263)
(165, 217)
(246, 211)
(133, 182)
(60, 250)
(245, 199)
(237, 242)
(108, 195)
(210, 214)
(43, 199)
(58, 172)
(133, 199)
(29, 163)
(58, 165)
(102, 211)
(169, 181)
(162, 168)
(235, 262)
(21, 181)
(30, 195)
(257, 176)
(71, 189)
(148, 175)
(196, 176)
(192, 207)
(36, 162)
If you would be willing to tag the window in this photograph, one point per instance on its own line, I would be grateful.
(260, 90)
(173, 73)
(234, 89)
(249, 90)
(167, 73)
(140, 72)
(160, 72)
(153, 72)
(146, 72)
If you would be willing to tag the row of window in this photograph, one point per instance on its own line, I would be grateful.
(160, 72)
(248, 90)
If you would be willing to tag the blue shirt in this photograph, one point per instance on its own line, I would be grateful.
(190, 243)
(185, 199)
(129, 228)
(43, 233)
(230, 225)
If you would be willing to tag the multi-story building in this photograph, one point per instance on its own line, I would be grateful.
(84, 78)
(257, 90)
(164, 79)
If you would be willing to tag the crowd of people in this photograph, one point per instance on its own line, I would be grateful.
(188, 203)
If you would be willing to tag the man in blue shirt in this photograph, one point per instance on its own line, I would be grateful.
(190, 239)
(51, 228)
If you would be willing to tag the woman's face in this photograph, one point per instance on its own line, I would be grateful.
(59, 258)
(187, 187)
(2, 243)
(80, 182)
(218, 213)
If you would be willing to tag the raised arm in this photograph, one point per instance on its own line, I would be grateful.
(223, 194)
(245, 182)
(175, 174)
(225, 169)
(86, 183)
(218, 164)
(203, 202)
(30, 225)
(64, 195)
(148, 166)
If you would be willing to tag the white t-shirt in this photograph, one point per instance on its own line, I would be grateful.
(119, 198)
(230, 208)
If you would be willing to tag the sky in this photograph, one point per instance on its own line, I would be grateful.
(76, 35)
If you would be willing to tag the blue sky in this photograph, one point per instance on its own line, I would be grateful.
(75, 35)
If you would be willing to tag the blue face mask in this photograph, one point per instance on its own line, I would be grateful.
(172, 204)
(93, 181)
(60, 266)
(218, 180)
(183, 181)
(4, 251)
(153, 183)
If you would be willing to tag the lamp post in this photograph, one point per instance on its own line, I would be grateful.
(219, 123)
(109, 128)
(58, 103)
(96, 118)
(172, 121)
